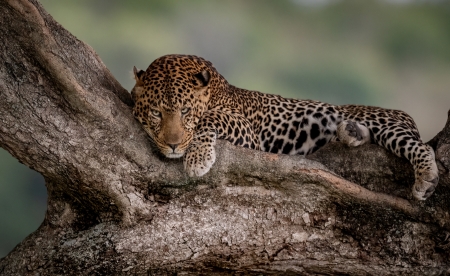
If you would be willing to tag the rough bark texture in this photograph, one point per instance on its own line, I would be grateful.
(115, 208)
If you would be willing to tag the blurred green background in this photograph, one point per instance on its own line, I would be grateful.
(394, 54)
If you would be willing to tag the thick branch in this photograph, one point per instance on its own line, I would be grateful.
(115, 207)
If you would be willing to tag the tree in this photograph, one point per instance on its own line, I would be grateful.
(114, 207)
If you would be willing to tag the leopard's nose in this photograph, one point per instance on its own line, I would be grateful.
(173, 146)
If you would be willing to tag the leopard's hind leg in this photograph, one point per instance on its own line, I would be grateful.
(425, 170)
(396, 131)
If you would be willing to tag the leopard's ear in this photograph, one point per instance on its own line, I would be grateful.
(203, 77)
(139, 86)
(138, 76)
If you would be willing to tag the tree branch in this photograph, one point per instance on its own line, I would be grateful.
(114, 207)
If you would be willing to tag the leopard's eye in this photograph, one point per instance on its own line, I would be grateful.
(185, 110)
(156, 113)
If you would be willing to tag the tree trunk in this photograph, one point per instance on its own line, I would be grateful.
(115, 208)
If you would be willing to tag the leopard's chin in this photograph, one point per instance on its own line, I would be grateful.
(174, 155)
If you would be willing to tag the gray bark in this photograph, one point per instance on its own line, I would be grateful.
(115, 208)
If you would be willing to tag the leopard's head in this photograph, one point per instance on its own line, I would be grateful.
(170, 98)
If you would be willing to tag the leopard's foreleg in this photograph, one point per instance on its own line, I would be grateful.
(218, 123)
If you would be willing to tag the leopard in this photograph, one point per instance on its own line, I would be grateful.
(184, 105)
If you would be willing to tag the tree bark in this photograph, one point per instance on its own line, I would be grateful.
(115, 208)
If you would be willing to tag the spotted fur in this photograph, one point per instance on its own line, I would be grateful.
(184, 105)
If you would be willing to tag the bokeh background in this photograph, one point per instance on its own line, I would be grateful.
(394, 54)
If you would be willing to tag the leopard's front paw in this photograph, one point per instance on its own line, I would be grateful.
(199, 159)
